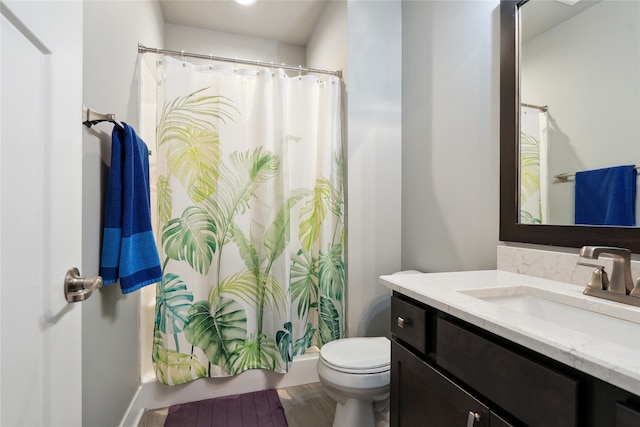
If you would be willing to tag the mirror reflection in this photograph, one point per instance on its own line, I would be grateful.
(580, 112)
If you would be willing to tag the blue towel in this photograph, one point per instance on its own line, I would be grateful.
(129, 251)
(606, 196)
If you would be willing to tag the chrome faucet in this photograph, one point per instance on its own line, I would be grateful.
(620, 287)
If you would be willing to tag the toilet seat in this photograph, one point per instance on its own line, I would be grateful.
(358, 355)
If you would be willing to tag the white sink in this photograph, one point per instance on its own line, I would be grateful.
(611, 322)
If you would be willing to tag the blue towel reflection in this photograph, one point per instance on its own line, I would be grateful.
(606, 196)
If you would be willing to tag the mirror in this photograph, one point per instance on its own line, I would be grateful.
(511, 228)
(579, 93)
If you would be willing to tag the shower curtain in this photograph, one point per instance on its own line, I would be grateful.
(250, 219)
(533, 166)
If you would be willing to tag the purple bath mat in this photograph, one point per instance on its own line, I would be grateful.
(257, 409)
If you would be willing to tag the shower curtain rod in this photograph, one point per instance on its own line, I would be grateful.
(542, 108)
(145, 49)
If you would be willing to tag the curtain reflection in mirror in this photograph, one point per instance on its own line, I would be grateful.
(534, 125)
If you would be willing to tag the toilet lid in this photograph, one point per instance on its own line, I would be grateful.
(358, 355)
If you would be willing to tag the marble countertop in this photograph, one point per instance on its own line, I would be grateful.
(457, 293)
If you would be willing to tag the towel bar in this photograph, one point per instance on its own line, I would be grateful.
(90, 118)
(565, 176)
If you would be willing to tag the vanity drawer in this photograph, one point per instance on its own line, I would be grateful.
(536, 395)
(408, 323)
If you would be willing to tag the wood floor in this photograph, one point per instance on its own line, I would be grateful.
(307, 406)
(304, 406)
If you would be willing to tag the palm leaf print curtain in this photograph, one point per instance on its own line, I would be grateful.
(533, 166)
(251, 219)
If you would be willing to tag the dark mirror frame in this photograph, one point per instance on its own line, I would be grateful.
(511, 230)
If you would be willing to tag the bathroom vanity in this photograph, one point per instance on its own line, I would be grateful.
(493, 348)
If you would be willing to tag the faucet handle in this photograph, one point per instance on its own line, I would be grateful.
(621, 282)
(594, 252)
(599, 278)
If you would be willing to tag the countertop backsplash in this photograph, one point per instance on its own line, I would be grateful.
(553, 264)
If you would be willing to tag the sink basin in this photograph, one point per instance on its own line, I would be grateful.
(611, 322)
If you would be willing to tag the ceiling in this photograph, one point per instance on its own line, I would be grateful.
(293, 21)
(539, 16)
(286, 21)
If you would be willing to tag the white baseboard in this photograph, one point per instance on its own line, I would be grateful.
(135, 411)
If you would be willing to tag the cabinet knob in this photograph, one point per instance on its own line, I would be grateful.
(472, 418)
(402, 322)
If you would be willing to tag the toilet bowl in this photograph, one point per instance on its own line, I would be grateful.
(355, 372)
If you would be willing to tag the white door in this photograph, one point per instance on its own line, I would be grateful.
(40, 211)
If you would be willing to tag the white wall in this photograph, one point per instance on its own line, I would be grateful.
(110, 367)
(593, 93)
(374, 145)
(364, 40)
(198, 40)
(327, 46)
(450, 134)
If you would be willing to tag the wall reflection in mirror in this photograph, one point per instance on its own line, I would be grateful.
(580, 112)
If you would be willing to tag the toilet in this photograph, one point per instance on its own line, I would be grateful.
(355, 372)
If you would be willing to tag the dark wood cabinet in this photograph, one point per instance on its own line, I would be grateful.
(626, 416)
(448, 373)
(526, 389)
(425, 397)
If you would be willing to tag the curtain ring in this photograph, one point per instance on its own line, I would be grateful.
(299, 72)
(184, 64)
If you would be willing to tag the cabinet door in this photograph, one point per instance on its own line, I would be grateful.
(626, 416)
(421, 396)
(497, 421)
